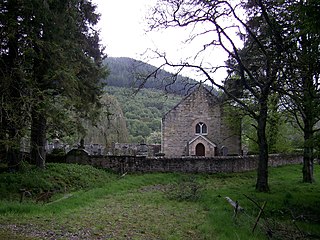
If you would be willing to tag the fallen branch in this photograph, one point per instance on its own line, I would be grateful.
(123, 175)
(255, 203)
(259, 215)
(261, 211)
(235, 205)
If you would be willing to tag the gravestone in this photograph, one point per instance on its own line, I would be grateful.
(224, 151)
(79, 155)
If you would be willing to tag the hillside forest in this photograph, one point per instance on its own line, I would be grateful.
(133, 115)
(131, 111)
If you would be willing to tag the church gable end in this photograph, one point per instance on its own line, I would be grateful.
(198, 114)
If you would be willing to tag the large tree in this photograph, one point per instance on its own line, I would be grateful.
(14, 104)
(62, 56)
(253, 67)
(301, 90)
(298, 42)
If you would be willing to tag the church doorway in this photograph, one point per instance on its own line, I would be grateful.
(200, 150)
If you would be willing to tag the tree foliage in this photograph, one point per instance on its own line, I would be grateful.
(110, 127)
(54, 51)
(301, 90)
(143, 111)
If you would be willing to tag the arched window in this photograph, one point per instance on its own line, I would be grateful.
(198, 128)
(201, 128)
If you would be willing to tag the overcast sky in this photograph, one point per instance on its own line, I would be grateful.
(123, 31)
(123, 26)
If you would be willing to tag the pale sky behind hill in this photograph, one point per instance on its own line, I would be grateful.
(123, 32)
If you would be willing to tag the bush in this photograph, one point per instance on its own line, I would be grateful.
(56, 177)
(56, 156)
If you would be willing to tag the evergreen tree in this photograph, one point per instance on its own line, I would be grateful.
(61, 56)
(14, 92)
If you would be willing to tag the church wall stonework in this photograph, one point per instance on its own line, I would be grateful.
(179, 124)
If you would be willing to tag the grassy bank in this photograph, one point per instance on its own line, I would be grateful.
(88, 203)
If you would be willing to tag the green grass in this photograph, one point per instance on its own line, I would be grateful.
(95, 204)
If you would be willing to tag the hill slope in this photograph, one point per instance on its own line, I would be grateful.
(143, 111)
(131, 73)
(145, 94)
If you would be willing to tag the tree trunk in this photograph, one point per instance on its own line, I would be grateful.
(262, 174)
(309, 106)
(38, 138)
(13, 151)
(307, 169)
(3, 134)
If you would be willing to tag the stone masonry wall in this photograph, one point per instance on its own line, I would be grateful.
(178, 125)
(142, 164)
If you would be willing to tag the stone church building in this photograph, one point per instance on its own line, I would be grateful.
(197, 126)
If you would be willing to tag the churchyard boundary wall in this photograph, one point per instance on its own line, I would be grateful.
(142, 164)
